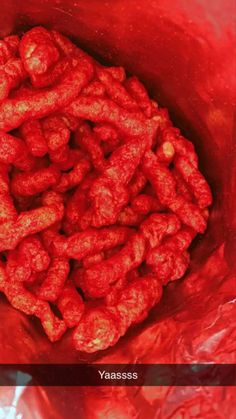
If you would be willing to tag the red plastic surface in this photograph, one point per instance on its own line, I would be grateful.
(185, 54)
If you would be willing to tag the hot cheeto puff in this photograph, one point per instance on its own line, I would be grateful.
(7, 208)
(102, 327)
(11, 75)
(14, 112)
(164, 184)
(8, 48)
(38, 51)
(54, 279)
(33, 135)
(55, 132)
(71, 305)
(139, 93)
(90, 241)
(98, 278)
(13, 151)
(32, 183)
(195, 180)
(170, 260)
(116, 91)
(27, 223)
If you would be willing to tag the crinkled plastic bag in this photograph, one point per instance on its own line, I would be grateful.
(185, 54)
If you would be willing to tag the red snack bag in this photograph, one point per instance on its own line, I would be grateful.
(95, 155)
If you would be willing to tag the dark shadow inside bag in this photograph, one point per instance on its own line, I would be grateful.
(183, 52)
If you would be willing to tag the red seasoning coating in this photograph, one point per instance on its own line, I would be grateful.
(7, 209)
(13, 151)
(54, 279)
(27, 223)
(32, 183)
(157, 226)
(32, 252)
(8, 48)
(55, 132)
(105, 110)
(71, 305)
(11, 75)
(164, 185)
(181, 145)
(87, 140)
(140, 95)
(14, 112)
(116, 91)
(100, 196)
(170, 260)
(32, 133)
(98, 278)
(74, 177)
(38, 51)
(195, 180)
(88, 242)
(102, 327)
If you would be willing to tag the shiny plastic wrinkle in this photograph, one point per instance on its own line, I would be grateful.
(195, 321)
